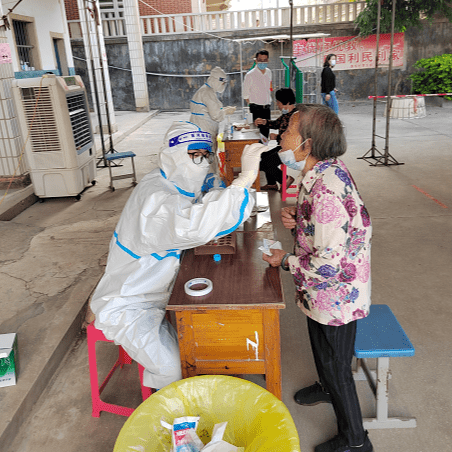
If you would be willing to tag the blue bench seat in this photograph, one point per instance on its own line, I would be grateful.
(381, 336)
(121, 155)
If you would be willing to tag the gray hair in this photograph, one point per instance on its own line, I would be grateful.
(325, 129)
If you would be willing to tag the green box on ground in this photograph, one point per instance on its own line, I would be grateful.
(8, 359)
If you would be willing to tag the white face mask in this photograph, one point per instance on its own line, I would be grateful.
(288, 158)
(284, 111)
(333, 62)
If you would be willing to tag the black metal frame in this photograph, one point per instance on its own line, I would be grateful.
(383, 158)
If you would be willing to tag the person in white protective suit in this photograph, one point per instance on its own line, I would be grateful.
(164, 215)
(206, 109)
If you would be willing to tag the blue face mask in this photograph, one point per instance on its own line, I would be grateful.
(262, 66)
(288, 158)
(284, 111)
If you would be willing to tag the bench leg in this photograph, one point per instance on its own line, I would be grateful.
(382, 397)
(111, 176)
(134, 173)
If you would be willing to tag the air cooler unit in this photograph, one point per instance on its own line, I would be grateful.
(53, 114)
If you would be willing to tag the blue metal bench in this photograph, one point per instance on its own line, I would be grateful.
(380, 336)
(121, 155)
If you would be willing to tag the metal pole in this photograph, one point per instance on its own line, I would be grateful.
(374, 118)
(383, 158)
(388, 104)
(316, 72)
(96, 93)
(101, 63)
(291, 40)
(241, 77)
(282, 53)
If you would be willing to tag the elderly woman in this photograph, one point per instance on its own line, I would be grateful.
(330, 264)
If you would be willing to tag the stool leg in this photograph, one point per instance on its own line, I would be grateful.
(94, 379)
(123, 357)
(145, 391)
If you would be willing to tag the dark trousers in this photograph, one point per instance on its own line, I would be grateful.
(264, 112)
(270, 162)
(332, 347)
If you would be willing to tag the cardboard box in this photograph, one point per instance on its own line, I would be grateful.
(8, 359)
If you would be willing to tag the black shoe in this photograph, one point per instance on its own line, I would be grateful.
(312, 395)
(337, 444)
(269, 187)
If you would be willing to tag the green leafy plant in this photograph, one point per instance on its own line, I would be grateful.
(409, 13)
(434, 76)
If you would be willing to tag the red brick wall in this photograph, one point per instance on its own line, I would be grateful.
(71, 9)
(165, 7)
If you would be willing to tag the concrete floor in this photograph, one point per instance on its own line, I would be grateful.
(411, 272)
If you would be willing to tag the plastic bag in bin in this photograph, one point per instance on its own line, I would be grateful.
(257, 420)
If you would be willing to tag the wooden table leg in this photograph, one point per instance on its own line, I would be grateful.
(186, 343)
(272, 344)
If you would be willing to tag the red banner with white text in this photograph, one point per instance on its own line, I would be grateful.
(351, 53)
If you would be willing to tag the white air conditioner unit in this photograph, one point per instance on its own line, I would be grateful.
(53, 114)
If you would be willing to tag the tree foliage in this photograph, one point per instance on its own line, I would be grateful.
(434, 76)
(409, 13)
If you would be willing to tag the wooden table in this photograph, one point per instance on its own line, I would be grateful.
(235, 328)
(233, 146)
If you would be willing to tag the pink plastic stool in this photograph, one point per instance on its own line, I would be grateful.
(284, 194)
(99, 405)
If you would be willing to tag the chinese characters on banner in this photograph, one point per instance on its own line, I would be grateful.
(356, 54)
(5, 53)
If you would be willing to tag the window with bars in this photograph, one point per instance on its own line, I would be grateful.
(24, 46)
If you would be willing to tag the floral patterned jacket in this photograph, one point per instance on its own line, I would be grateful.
(331, 266)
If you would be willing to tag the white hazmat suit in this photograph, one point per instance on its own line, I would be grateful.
(164, 215)
(206, 109)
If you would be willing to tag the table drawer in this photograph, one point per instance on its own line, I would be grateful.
(228, 335)
(223, 335)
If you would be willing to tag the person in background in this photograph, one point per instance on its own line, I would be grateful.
(270, 161)
(206, 109)
(165, 214)
(328, 82)
(257, 89)
(330, 265)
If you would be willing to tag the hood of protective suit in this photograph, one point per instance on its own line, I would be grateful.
(214, 79)
(177, 165)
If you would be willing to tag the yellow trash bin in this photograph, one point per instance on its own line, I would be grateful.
(257, 420)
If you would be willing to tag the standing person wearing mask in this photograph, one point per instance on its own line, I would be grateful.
(257, 89)
(330, 265)
(328, 82)
(165, 215)
(206, 110)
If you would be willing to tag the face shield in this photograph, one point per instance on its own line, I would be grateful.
(177, 159)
